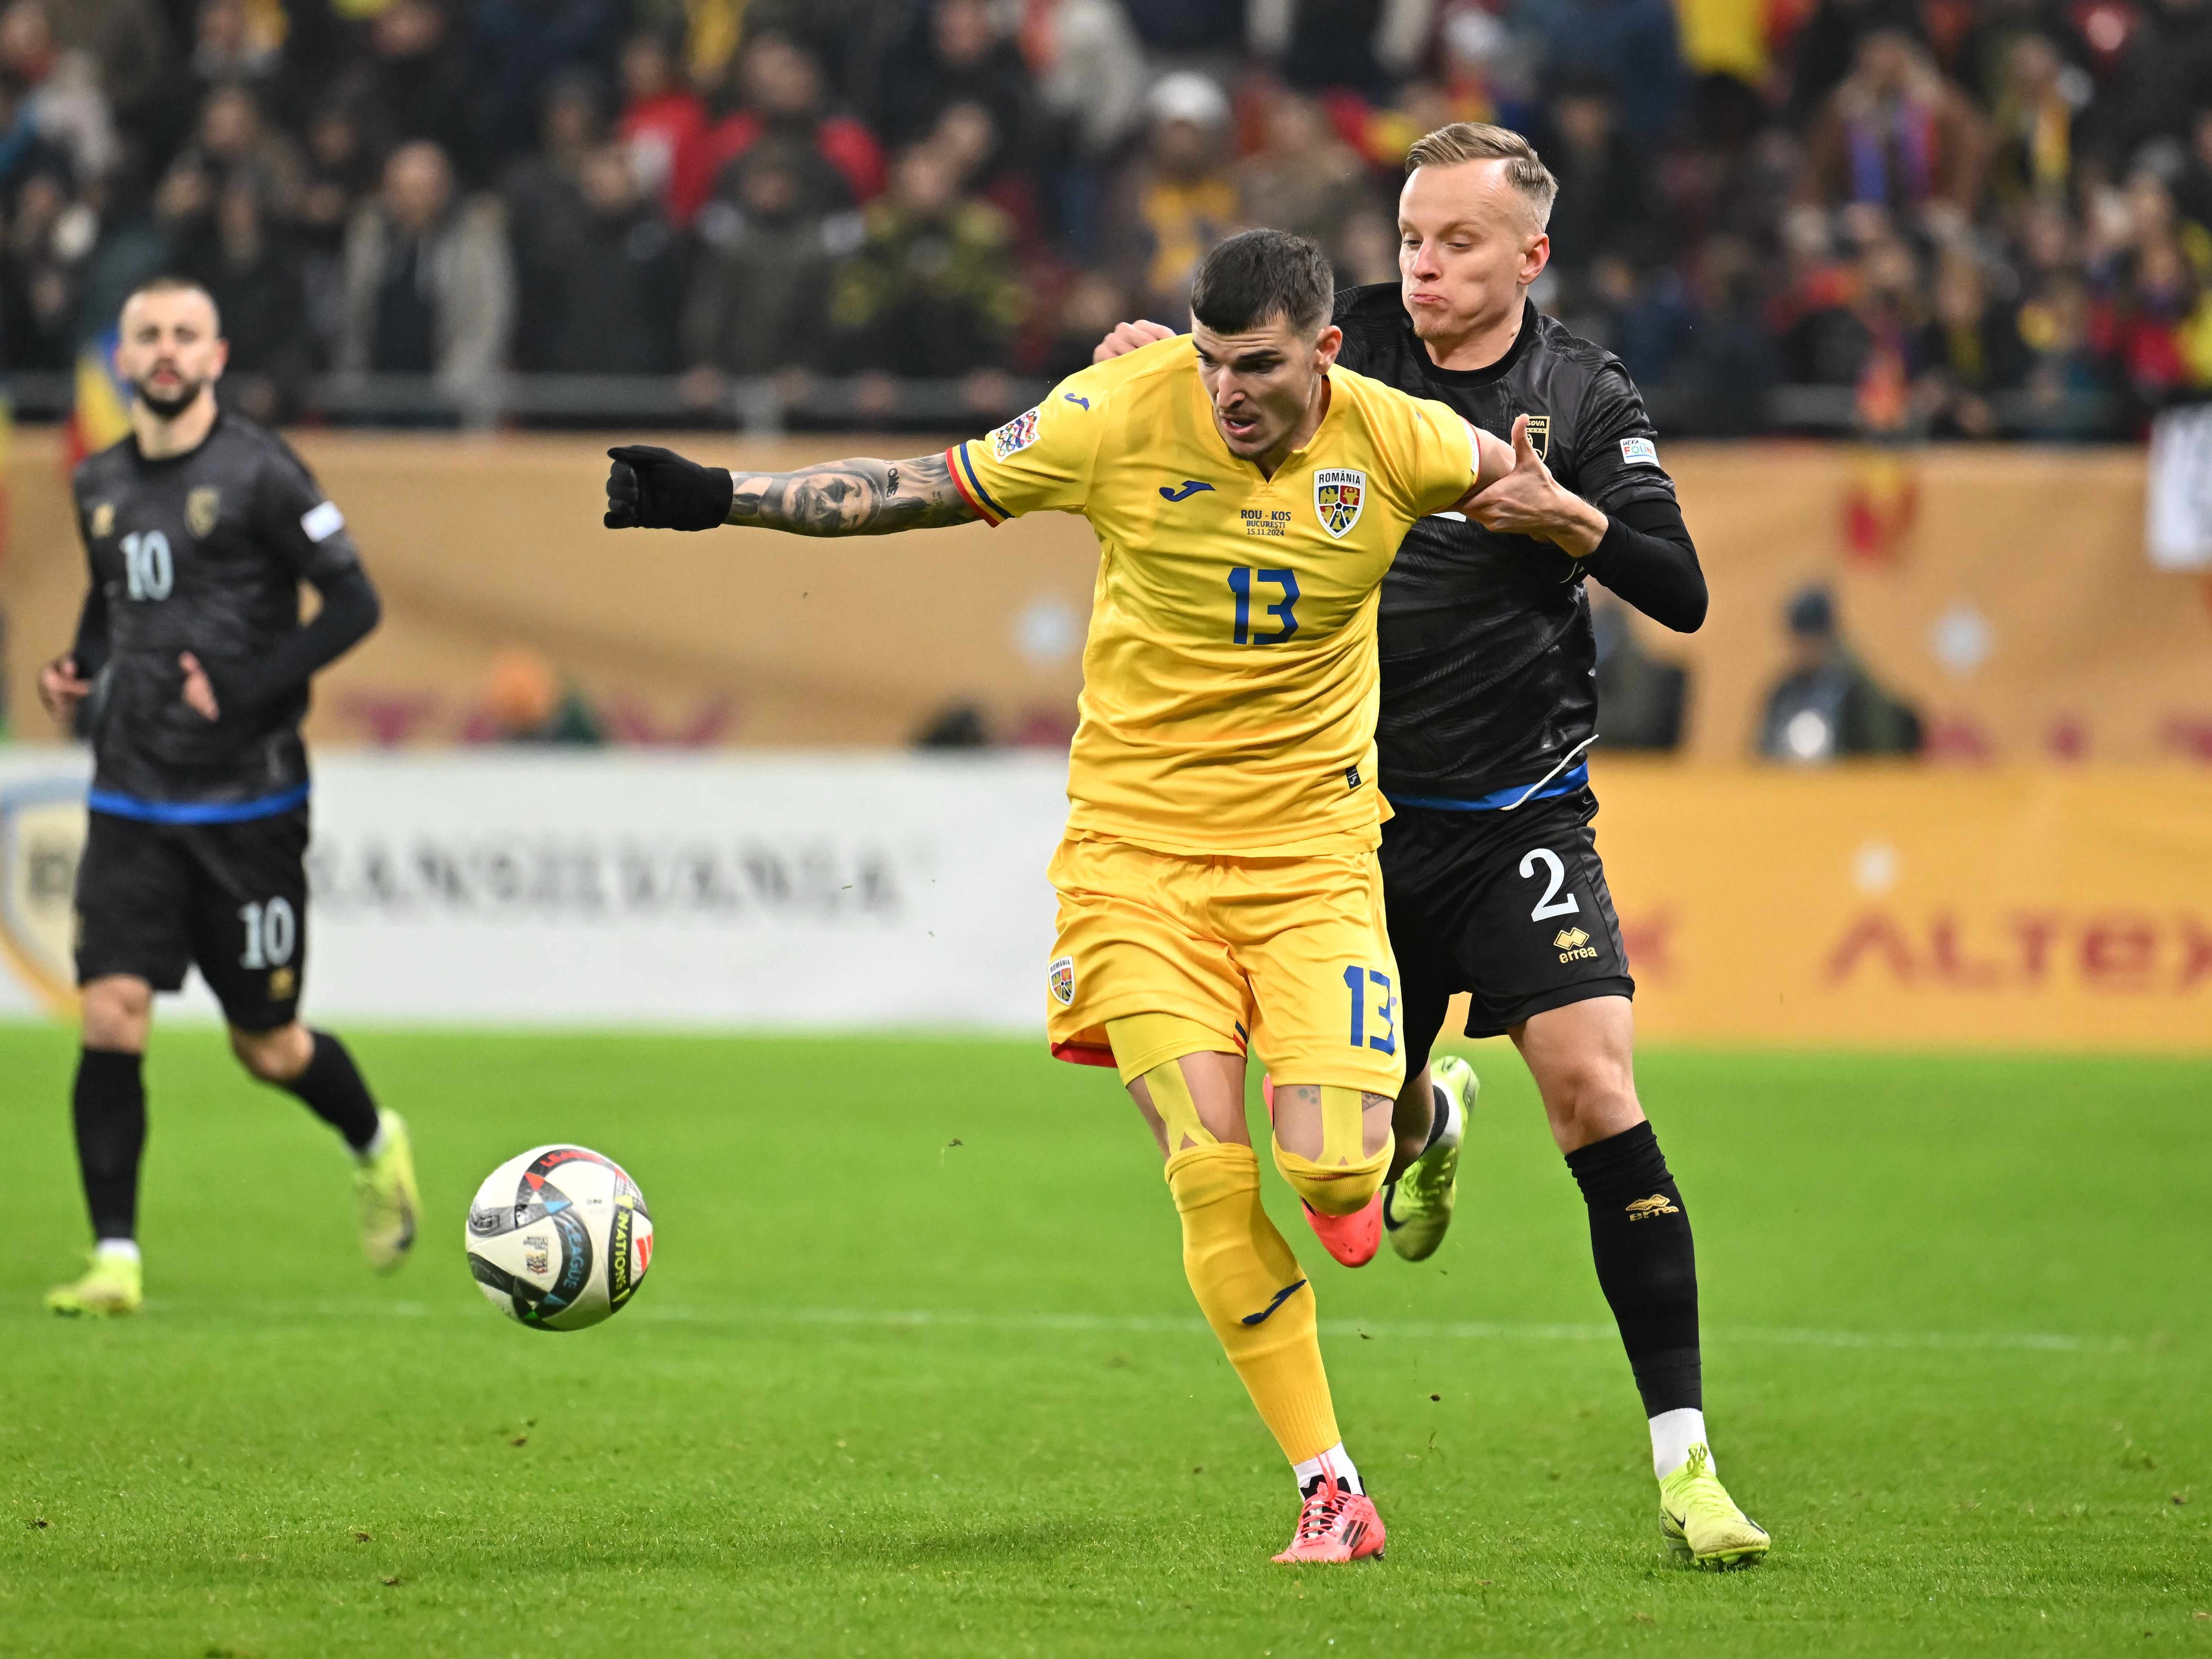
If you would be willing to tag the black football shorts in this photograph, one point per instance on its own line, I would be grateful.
(153, 899)
(1510, 907)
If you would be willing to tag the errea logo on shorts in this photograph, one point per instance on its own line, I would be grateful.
(1060, 977)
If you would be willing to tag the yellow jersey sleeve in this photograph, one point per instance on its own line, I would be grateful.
(1430, 451)
(1044, 460)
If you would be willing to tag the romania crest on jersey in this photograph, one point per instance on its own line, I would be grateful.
(1338, 494)
(1060, 977)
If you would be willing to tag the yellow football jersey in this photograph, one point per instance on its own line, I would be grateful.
(1229, 684)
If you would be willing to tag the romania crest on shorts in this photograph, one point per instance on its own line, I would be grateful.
(1339, 492)
(202, 507)
(42, 827)
(1060, 977)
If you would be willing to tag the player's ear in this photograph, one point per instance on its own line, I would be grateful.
(1536, 254)
(221, 359)
(1327, 348)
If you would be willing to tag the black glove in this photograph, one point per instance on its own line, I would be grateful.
(653, 489)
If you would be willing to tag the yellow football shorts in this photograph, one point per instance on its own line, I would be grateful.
(1289, 955)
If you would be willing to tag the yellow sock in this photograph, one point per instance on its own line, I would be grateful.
(1249, 1287)
(1345, 1178)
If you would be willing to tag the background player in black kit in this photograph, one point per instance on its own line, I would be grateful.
(1492, 880)
(190, 675)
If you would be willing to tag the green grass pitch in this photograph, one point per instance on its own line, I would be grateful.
(1956, 1359)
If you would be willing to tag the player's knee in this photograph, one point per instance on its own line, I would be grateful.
(1354, 1151)
(1589, 1097)
(116, 1009)
(277, 1056)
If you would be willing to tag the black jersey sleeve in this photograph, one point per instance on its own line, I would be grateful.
(1648, 558)
(301, 524)
(1617, 456)
(351, 609)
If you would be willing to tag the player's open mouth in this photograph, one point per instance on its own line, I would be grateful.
(1239, 427)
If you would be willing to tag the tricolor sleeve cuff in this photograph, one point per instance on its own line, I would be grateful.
(971, 487)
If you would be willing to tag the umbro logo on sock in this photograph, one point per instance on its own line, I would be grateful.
(1645, 1208)
(1281, 1296)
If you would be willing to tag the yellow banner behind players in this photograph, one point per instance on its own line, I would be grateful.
(1873, 907)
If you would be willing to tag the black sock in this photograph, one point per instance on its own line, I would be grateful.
(1646, 1263)
(109, 1105)
(334, 1092)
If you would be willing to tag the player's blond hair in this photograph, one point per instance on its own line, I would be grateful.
(1477, 140)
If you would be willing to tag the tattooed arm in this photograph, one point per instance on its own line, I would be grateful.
(861, 497)
(654, 489)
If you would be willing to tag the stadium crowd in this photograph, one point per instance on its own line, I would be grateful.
(1955, 217)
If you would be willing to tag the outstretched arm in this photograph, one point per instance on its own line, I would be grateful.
(656, 489)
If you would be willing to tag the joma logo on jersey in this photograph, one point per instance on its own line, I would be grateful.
(1340, 493)
(1574, 946)
(202, 507)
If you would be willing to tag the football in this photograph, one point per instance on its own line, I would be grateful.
(559, 1238)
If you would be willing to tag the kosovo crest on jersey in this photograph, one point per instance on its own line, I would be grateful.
(42, 828)
(1540, 436)
(1339, 492)
(202, 507)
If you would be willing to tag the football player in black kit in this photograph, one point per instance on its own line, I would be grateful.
(190, 674)
(1492, 876)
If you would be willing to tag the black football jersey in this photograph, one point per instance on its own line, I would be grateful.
(201, 552)
(1488, 656)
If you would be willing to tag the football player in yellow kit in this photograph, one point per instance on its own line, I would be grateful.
(1217, 882)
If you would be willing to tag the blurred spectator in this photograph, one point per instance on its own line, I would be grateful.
(527, 702)
(960, 58)
(1362, 46)
(428, 284)
(1896, 137)
(2165, 75)
(126, 39)
(57, 91)
(1303, 177)
(2033, 122)
(759, 300)
(620, 291)
(1632, 46)
(957, 726)
(1826, 707)
(1183, 27)
(48, 239)
(1090, 74)
(514, 48)
(1180, 200)
(664, 122)
(1969, 352)
(1639, 698)
(233, 148)
(1088, 311)
(1830, 47)
(253, 272)
(1609, 204)
(930, 291)
(414, 83)
(1731, 362)
(784, 98)
(546, 215)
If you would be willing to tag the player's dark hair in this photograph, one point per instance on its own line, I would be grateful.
(170, 282)
(1257, 275)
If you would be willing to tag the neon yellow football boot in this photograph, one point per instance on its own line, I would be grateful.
(114, 1284)
(1701, 1522)
(1417, 1208)
(389, 1200)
